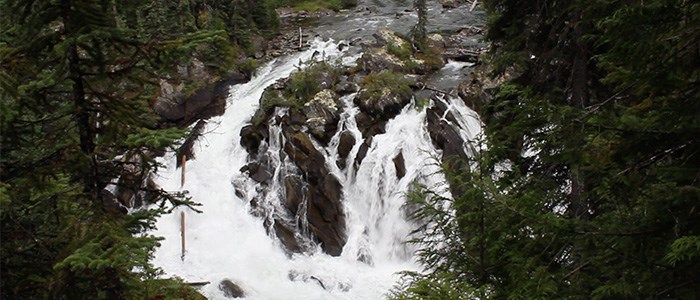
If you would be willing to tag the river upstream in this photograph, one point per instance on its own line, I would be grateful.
(231, 240)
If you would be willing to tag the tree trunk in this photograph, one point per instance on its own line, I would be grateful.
(81, 113)
(579, 99)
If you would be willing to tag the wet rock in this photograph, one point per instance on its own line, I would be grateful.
(379, 59)
(258, 46)
(252, 136)
(324, 209)
(287, 237)
(134, 185)
(174, 106)
(239, 188)
(322, 115)
(384, 37)
(370, 126)
(345, 144)
(345, 86)
(294, 193)
(362, 152)
(384, 104)
(280, 84)
(366, 10)
(479, 88)
(230, 289)
(303, 153)
(186, 149)
(443, 135)
(326, 217)
(400, 165)
(111, 204)
(296, 117)
(260, 170)
(437, 41)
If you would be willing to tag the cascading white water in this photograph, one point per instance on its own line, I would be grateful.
(228, 242)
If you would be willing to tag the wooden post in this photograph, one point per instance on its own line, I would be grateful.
(300, 39)
(182, 233)
(183, 161)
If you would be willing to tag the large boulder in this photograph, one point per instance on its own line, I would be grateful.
(385, 102)
(443, 135)
(322, 115)
(174, 106)
(252, 137)
(324, 209)
(345, 144)
(377, 59)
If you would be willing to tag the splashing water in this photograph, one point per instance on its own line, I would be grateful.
(228, 242)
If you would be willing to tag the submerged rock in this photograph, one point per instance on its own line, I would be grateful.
(230, 289)
(400, 165)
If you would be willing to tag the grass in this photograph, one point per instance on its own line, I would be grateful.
(402, 53)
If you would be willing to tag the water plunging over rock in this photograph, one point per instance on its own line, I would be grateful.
(304, 194)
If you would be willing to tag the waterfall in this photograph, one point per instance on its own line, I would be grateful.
(231, 239)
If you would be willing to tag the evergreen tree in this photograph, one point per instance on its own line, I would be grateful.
(75, 117)
(418, 32)
(589, 186)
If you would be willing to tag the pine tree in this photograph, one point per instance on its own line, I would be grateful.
(75, 116)
(418, 32)
(594, 136)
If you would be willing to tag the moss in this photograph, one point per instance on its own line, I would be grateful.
(432, 60)
(376, 84)
(301, 88)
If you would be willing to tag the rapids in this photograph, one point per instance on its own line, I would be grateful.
(228, 241)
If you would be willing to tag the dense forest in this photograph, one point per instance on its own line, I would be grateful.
(586, 184)
(589, 184)
(78, 79)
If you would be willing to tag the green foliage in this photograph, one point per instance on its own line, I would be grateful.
(435, 286)
(588, 187)
(401, 52)
(419, 32)
(375, 85)
(76, 85)
(172, 289)
(300, 88)
(315, 5)
(304, 84)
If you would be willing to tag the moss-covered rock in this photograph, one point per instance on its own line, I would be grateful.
(383, 94)
(322, 115)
